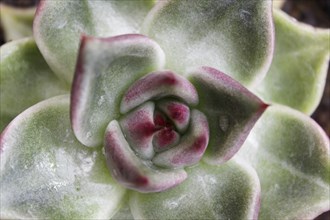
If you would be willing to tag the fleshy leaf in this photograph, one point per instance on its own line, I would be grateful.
(16, 22)
(299, 68)
(124, 213)
(191, 147)
(25, 79)
(156, 85)
(230, 108)
(47, 173)
(277, 4)
(138, 128)
(133, 172)
(59, 24)
(233, 36)
(177, 112)
(229, 191)
(291, 155)
(105, 69)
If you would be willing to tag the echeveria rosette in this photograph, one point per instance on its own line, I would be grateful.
(68, 180)
(155, 122)
(230, 190)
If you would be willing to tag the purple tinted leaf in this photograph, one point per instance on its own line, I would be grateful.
(230, 108)
(132, 171)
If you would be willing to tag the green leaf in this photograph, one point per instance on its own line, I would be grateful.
(47, 173)
(124, 213)
(235, 37)
(291, 155)
(298, 72)
(106, 68)
(229, 191)
(231, 111)
(59, 24)
(16, 22)
(25, 79)
(277, 4)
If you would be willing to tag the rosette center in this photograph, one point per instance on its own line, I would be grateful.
(155, 126)
(159, 131)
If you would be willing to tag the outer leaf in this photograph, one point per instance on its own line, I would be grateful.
(16, 22)
(25, 79)
(105, 69)
(235, 37)
(59, 24)
(297, 74)
(229, 191)
(291, 155)
(278, 3)
(47, 173)
(124, 213)
(231, 110)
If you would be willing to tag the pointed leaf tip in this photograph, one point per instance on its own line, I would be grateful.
(231, 110)
(298, 72)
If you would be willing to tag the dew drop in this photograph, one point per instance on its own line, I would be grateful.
(101, 101)
(223, 122)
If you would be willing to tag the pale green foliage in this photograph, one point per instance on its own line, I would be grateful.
(25, 79)
(299, 68)
(16, 22)
(234, 37)
(291, 157)
(47, 173)
(60, 24)
(208, 193)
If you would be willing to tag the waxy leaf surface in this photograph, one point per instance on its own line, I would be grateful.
(235, 37)
(299, 68)
(47, 173)
(106, 68)
(231, 111)
(25, 79)
(229, 191)
(124, 213)
(59, 24)
(290, 153)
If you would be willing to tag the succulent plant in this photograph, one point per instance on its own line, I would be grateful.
(178, 110)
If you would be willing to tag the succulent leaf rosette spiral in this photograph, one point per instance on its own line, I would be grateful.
(163, 110)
